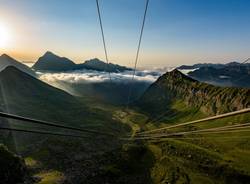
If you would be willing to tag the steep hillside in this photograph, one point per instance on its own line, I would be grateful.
(21, 90)
(24, 95)
(174, 86)
(6, 61)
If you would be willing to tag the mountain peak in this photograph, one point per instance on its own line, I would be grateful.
(94, 60)
(176, 72)
(7, 62)
(51, 62)
(5, 56)
(99, 65)
(177, 75)
(49, 54)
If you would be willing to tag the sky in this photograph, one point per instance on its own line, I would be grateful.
(176, 31)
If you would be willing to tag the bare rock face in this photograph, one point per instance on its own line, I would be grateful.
(210, 99)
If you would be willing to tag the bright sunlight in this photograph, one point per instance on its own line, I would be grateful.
(4, 36)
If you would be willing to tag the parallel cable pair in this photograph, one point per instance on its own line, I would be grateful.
(224, 129)
(145, 136)
(243, 111)
(52, 124)
(138, 48)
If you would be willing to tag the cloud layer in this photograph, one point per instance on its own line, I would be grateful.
(83, 76)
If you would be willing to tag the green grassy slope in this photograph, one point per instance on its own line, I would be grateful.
(209, 158)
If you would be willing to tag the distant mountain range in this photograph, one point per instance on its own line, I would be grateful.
(53, 63)
(238, 76)
(175, 86)
(231, 74)
(6, 61)
(214, 65)
(96, 64)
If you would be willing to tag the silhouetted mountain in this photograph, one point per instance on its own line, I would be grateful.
(231, 75)
(52, 62)
(175, 86)
(96, 64)
(6, 61)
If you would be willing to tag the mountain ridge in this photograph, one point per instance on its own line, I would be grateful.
(214, 65)
(54, 63)
(6, 60)
(174, 85)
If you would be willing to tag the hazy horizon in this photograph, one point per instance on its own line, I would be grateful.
(176, 32)
(31, 63)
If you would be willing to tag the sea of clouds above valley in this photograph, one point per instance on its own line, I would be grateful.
(91, 76)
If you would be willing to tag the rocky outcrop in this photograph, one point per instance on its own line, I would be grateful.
(210, 99)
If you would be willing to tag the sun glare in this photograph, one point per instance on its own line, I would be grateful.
(4, 36)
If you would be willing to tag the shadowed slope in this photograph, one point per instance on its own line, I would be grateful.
(6, 61)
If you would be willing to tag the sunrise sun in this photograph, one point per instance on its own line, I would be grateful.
(4, 36)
